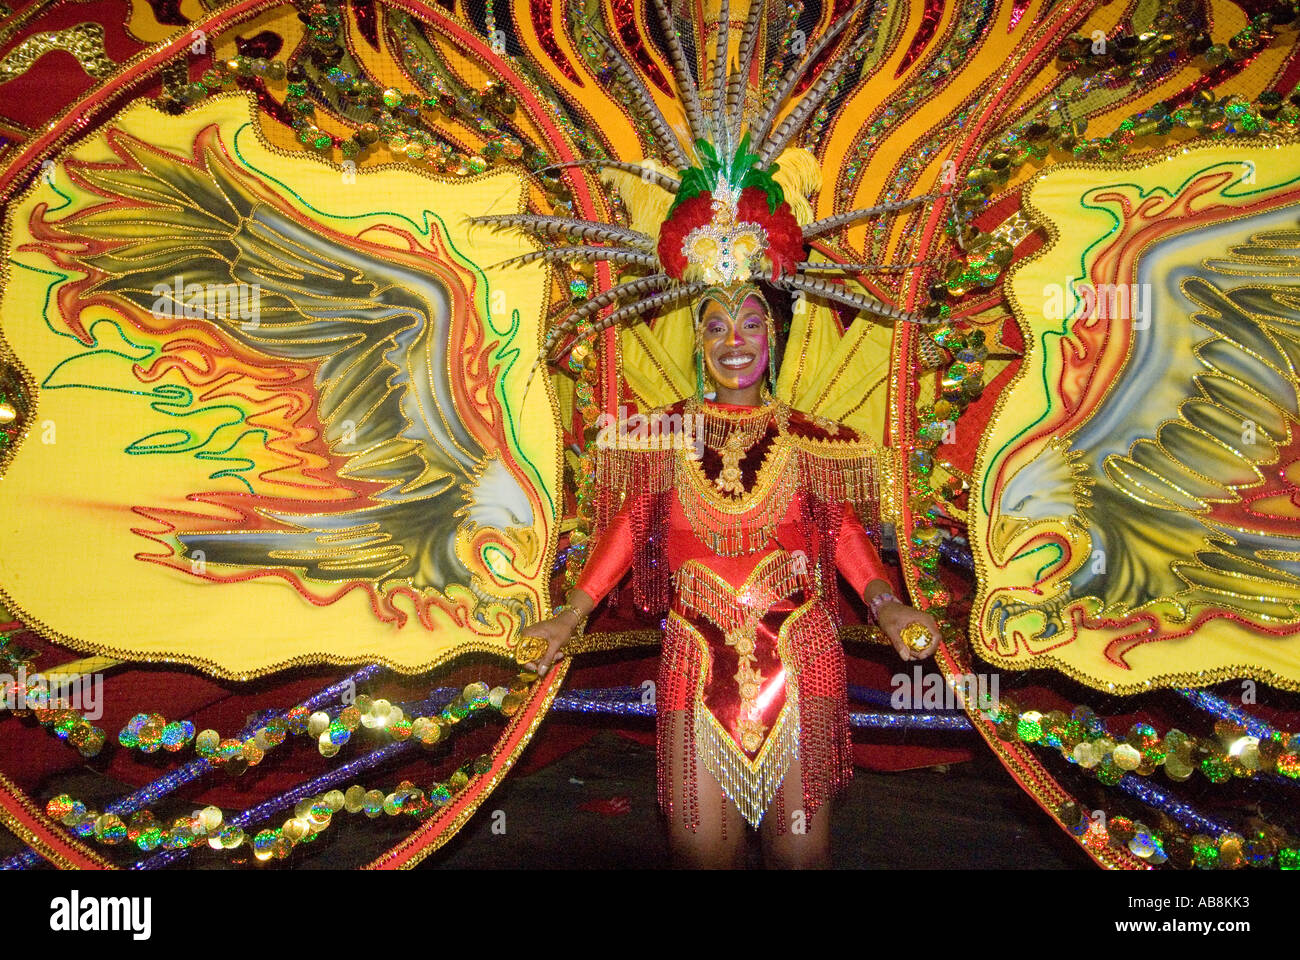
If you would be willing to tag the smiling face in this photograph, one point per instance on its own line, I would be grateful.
(735, 346)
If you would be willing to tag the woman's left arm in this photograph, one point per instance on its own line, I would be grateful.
(860, 563)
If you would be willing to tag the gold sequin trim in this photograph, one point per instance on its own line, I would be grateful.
(85, 41)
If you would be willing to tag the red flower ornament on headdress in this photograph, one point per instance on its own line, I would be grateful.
(729, 220)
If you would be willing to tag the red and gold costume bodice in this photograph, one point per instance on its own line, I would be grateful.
(735, 520)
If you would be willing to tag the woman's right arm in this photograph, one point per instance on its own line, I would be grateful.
(610, 560)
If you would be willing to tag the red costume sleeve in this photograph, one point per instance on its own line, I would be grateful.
(611, 558)
(856, 556)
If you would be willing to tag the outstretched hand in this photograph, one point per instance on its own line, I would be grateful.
(894, 618)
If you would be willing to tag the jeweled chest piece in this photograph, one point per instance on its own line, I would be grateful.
(733, 442)
(729, 479)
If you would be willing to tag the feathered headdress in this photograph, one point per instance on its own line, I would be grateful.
(729, 220)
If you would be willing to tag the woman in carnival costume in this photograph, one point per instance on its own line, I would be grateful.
(735, 512)
(741, 545)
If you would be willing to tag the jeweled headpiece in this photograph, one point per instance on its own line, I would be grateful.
(729, 220)
(731, 296)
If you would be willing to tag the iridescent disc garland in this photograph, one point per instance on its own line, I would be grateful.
(38, 696)
(473, 698)
(185, 843)
(196, 769)
(169, 783)
(961, 385)
(1242, 747)
(311, 816)
(1211, 846)
(1081, 739)
(583, 361)
(150, 732)
(332, 732)
(312, 813)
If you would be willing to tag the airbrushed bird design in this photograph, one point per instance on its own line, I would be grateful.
(1199, 512)
(404, 386)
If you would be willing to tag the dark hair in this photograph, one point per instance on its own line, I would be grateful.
(781, 305)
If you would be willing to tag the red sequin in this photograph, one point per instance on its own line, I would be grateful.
(265, 102)
(625, 17)
(1017, 11)
(365, 14)
(924, 34)
(265, 45)
(814, 70)
(540, 11)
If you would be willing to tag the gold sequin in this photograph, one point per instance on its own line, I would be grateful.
(85, 41)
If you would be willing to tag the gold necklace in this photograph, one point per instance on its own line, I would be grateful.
(729, 479)
(732, 435)
(738, 527)
(735, 526)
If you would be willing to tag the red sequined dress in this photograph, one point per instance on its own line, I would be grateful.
(738, 539)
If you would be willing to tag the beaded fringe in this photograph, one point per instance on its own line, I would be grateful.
(702, 593)
(645, 477)
(836, 472)
(729, 531)
(680, 666)
(851, 479)
(622, 473)
(750, 785)
(821, 691)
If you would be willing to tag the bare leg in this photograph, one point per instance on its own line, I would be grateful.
(718, 843)
(803, 844)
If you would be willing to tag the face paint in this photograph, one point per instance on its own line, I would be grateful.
(735, 346)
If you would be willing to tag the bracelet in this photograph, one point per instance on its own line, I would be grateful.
(578, 628)
(530, 649)
(878, 601)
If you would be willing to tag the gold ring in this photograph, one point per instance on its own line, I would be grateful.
(917, 637)
(530, 649)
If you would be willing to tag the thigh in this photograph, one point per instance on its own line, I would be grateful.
(793, 839)
(705, 830)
